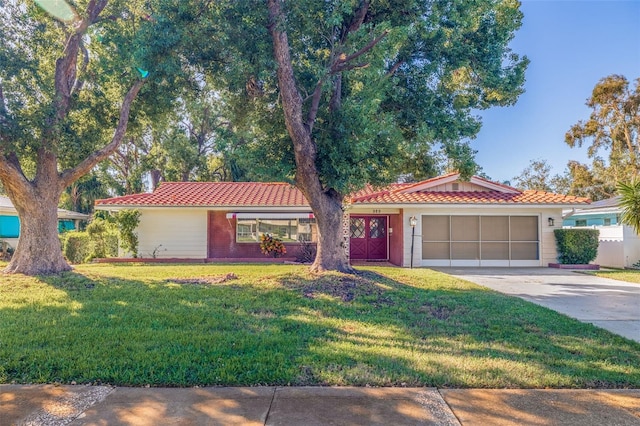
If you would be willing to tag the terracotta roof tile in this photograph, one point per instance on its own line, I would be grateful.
(255, 194)
(206, 194)
(471, 197)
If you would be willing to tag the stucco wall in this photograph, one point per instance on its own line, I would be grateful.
(223, 245)
(548, 250)
(179, 233)
(395, 239)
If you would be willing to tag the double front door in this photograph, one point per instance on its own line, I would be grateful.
(368, 238)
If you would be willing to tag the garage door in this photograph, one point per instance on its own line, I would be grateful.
(449, 240)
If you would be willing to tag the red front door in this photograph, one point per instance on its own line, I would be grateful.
(368, 237)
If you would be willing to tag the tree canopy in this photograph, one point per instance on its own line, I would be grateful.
(537, 176)
(612, 133)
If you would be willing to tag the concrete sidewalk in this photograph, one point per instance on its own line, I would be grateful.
(104, 405)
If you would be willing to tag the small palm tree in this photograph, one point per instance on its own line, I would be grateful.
(630, 203)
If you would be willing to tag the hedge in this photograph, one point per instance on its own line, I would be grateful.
(576, 246)
(80, 247)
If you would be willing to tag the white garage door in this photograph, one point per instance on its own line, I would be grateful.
(449, 240)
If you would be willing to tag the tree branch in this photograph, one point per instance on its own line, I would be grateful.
(315, 104)
(3, 117)
(394, 68)
(3, 105)
(66, 72)
(349, 67)
(346, 59)
(85, 63)
(358, 19)
(12, 176)
(87, 164)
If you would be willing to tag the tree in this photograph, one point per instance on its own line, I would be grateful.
(630, 203)
(537, 176)
(66, 93)
(370, 78)
(81, 195)
(594, 182)
(613, 127)
(333, 95)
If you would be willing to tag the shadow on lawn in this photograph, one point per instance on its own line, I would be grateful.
(296, 329)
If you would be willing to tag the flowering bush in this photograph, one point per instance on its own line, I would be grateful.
(271, 246)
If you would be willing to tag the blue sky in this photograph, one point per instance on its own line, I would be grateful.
(571, 46)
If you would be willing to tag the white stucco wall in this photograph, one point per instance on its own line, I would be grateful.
(548, 251)
(179, 232)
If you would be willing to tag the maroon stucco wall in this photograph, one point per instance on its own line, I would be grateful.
(396, 249)
(222, 241)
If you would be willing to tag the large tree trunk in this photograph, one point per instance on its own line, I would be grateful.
(331, 254)
(326, 203)
(38, 250)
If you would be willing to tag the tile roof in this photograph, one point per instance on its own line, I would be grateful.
(466, 197)
(256, 194)
(206, 194)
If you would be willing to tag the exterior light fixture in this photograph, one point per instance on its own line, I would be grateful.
(552, 221)
(412, 222)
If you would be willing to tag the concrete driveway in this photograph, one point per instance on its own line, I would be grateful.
(609, 304)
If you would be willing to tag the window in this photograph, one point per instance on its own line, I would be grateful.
(607, 221)
(287, 230)
(9, 226)
(581, 222)
(357, 227)
(66, 225)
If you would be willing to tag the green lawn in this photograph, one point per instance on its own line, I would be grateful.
(278, 325)
(629, 275)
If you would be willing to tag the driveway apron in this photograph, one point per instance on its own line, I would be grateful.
(606, 303)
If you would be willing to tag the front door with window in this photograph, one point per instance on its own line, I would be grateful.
(368, 238)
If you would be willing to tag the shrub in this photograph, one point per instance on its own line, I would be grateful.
(104, 239)
(6, 251)
(577, 246)
(271, 246)
(307, 252)
(128, 221)
(76, 246)
(99, 240)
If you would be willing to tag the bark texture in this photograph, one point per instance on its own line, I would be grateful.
(38, 250)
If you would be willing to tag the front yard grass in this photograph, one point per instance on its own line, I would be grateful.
(628, 275)
(185, 325)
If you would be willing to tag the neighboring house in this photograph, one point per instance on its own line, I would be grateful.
(457, 223)
(10, 223)
(619, 244)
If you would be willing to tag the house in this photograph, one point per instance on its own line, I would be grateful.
(10, 223)
(619, 245)
(455, 222)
